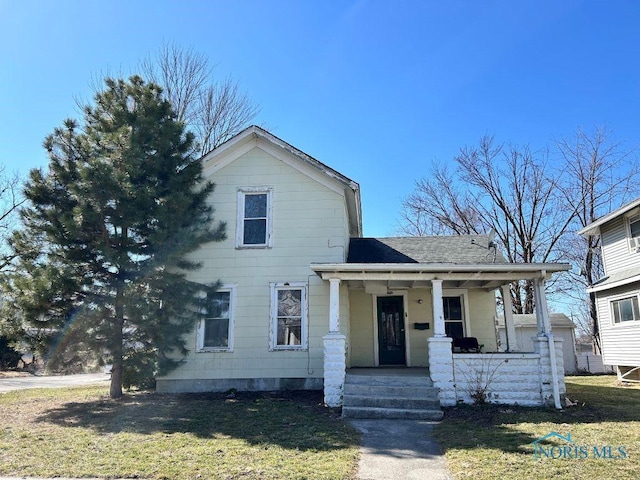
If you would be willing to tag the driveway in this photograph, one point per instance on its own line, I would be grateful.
(8, 384)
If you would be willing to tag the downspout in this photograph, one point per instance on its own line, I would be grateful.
(552, 346)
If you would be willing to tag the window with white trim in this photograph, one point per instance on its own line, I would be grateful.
(625, 310)
(634, 232)
(215, 332)
(289, 322)
(453, 316)
(254, 217)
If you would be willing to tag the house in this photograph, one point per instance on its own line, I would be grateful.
(306, 302)
(526, 329)
(618, 291)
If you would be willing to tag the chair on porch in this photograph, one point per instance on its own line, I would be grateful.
(466, 345)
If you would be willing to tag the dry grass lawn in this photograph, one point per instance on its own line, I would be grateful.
(488, 442)
(82, 433)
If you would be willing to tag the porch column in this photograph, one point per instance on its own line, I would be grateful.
(438, 308)
(335, 350)
(512, 344)
(334, 304)
(544, 330)
(541, 310)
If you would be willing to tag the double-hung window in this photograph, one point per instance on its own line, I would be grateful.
(453, 317)
(634, 233)
(254, 217)
(625, 309)
(215, 333)
(289, 322)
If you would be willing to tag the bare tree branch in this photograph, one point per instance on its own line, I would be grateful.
(213, 110)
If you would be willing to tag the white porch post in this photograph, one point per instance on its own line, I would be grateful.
(335, 350)
(438, 309)
(512, 343)
(542, 316)
(334, 305)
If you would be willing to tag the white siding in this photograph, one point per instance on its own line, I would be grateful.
(309, 225)
(620, 342)
(615, 247)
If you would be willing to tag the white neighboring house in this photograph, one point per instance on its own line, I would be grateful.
(305, 297)
(526, 330)
(618, 292)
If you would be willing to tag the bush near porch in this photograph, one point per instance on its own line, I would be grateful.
(492, 441)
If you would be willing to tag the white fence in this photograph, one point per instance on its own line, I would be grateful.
(592, 363)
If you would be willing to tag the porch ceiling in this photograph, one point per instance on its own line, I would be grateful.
(417, 275)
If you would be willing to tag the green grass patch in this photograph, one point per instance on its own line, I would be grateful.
(80, 432)
(490, 441)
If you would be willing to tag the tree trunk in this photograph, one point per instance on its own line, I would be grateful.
(595, 328)
(115, 390)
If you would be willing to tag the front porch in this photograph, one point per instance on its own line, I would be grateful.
(419, 330)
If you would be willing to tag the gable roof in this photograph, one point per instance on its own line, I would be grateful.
(255, 136)
(594, 228)
(455, 249)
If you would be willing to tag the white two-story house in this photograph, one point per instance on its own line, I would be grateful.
(618, 292)
(305, 299)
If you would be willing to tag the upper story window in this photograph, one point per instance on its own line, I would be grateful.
(254, 217)
(625, 309)
(215, 332)
(634, 232)
(289, 323)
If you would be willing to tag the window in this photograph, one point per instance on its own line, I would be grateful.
(288, 316)
(625, 310)
(216, 328)
(254, 217)
(634, 226)
(453, 319)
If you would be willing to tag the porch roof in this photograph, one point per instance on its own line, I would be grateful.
(473, 275)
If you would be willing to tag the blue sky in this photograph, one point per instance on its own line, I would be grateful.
(375, 89)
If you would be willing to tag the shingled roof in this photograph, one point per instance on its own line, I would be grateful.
(459, 249)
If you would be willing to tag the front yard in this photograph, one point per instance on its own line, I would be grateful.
(488, 442)
(82, 433)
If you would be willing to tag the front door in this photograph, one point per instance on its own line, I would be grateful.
(391, 339)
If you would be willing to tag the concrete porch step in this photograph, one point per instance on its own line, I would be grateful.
(393, 413)
(389, 380)
(403, 391)
(390, 393)
(395, 402)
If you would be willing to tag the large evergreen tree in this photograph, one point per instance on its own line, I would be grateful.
(103, 252)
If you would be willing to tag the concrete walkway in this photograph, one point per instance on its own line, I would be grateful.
(8, 384)
(399, 449)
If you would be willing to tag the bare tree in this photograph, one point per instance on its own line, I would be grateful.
(600, 176)
(506, 189)
(10, 200)
(214, 110)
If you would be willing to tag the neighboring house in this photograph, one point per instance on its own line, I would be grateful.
(304, 297)
(617, 293)
(526, 329)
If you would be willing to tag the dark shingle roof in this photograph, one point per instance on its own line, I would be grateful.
(459, 249)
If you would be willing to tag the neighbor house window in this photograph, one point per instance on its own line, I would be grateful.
(288, 316)
(254, 217)
(625, 309)
(215, 332)
(634, 232)
(453, 318)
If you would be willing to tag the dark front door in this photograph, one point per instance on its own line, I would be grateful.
(391, 331)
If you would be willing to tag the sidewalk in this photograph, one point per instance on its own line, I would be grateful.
(399, 449)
